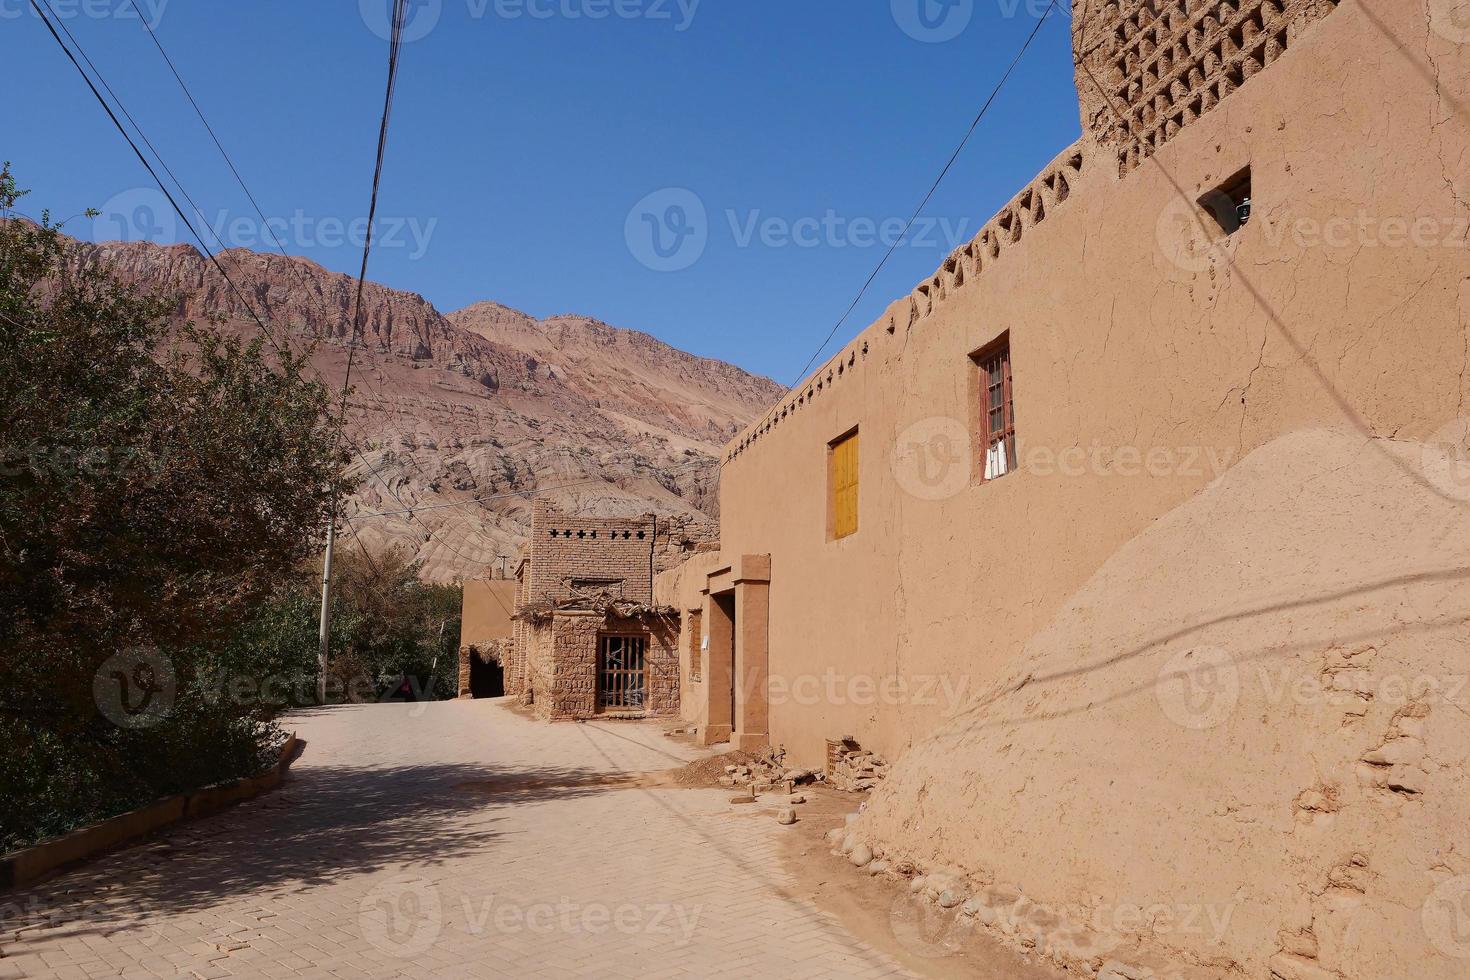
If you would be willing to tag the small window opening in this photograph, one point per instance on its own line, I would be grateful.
(1230, 203)
(997, 410)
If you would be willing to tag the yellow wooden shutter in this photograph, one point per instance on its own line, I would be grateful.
(845, 486)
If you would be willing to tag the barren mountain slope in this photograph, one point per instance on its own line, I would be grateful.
(487, 402)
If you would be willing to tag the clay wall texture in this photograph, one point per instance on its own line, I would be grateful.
(486, 611)
(565, 661)
(681, 587)
(1146, 69)
(1149, 353)
(567, 549)
(552, 662)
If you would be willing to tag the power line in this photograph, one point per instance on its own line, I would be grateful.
(395, 44)
(280, 247)
(283, 350)
(893, 248)
(200, 113)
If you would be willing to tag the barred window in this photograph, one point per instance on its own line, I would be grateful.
(997, 410)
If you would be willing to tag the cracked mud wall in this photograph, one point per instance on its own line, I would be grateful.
(1241, 749)
(1149, 358)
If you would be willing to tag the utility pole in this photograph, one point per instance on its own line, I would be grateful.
(398, 18)
(502, 565)
(326, 624)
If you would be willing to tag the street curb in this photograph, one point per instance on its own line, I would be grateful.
(31, 864)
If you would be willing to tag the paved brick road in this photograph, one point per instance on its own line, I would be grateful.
(446, 840)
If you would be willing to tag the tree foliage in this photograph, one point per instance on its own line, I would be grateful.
(389, 629)
(158, 483)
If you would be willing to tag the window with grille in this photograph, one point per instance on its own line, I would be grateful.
(622, 673)
(997, 410)
(844, 482)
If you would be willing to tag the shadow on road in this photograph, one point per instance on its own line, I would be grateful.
(324, 825)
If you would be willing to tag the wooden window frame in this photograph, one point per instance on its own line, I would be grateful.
(984, 436)
(832, 488)
(696, 645)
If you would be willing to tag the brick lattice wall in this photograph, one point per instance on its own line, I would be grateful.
(1148, 68)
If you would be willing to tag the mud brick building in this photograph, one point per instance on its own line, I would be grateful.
(486, 625)
(1012, 534)
(587, 638)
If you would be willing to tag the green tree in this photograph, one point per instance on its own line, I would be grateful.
(157, 483)
(388, 628)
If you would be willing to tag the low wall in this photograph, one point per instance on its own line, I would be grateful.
(31, 864)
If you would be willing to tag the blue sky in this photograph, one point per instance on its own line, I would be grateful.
(539, 146)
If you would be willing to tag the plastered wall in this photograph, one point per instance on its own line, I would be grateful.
(1149, 353)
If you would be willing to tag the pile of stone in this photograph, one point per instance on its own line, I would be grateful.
(765, 773)
(854, 768)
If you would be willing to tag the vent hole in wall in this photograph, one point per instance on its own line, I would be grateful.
(1230, 203)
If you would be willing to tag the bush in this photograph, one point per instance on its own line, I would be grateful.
(157, 485)
(388, 628)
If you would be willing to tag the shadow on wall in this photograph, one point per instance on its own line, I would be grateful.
(1385, 589)
(322, 826)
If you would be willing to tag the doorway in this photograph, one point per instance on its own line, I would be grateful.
(622, 673)
(487, 678)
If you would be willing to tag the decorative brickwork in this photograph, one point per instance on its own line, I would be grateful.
(571, 570)
(1148, 68)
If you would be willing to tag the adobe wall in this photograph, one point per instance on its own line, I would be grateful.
(681, 587)
(569, 551)
(486, 612)
(565, 663)
(1148, 356)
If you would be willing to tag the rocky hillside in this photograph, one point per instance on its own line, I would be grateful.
(485, 402)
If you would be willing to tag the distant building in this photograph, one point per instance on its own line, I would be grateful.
(587, 639)
(486, 628)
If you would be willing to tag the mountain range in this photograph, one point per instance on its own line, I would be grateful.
(457, 417)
